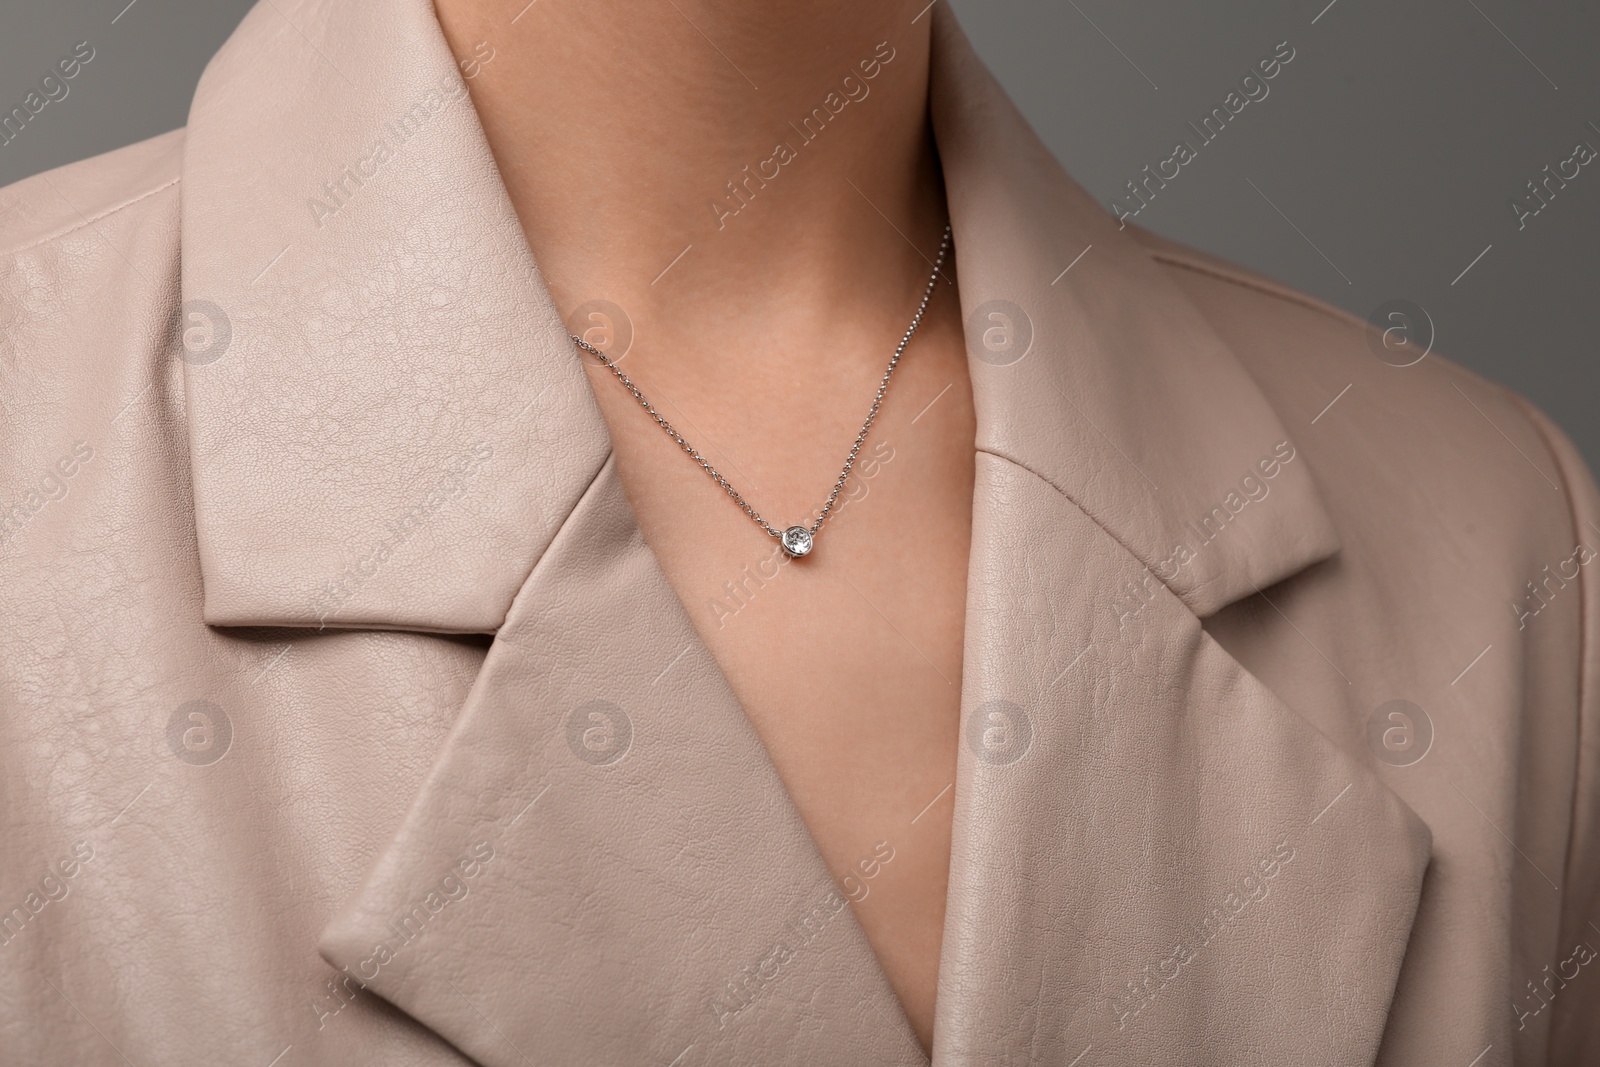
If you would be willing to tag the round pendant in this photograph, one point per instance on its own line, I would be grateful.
(796, 541)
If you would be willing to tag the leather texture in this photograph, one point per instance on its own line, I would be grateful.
(346, 717)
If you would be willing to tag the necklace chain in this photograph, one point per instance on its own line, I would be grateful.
(855, 449)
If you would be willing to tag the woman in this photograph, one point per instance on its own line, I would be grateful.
(383, 685)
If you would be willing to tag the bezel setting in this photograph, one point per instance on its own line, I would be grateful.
(796, 541)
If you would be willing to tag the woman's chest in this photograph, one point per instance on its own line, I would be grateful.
(847, 661)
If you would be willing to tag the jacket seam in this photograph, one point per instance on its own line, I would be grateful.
(1585, 682)
(1285, 294)
(1094, 519)
(527, 576)
(91, 221)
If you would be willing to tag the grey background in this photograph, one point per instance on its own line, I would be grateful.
(1388, 148)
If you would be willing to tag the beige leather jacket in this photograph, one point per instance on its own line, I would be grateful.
(345, 718)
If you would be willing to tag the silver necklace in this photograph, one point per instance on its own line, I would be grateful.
(795, 540)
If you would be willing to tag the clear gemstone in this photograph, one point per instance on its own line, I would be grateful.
(797, 540)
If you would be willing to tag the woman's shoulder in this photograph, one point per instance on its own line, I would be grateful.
(88, 304)
(88, 275)
(63, 209)
(1391, 425)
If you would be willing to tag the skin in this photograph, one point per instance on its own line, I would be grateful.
(615, 127)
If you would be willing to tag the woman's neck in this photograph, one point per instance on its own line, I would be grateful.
(713, 167)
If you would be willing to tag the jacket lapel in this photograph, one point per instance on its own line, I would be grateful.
(604, 867)
(387, 423)
(1155, 859)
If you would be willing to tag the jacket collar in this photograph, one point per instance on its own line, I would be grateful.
(1127, 402)
(397, 426)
